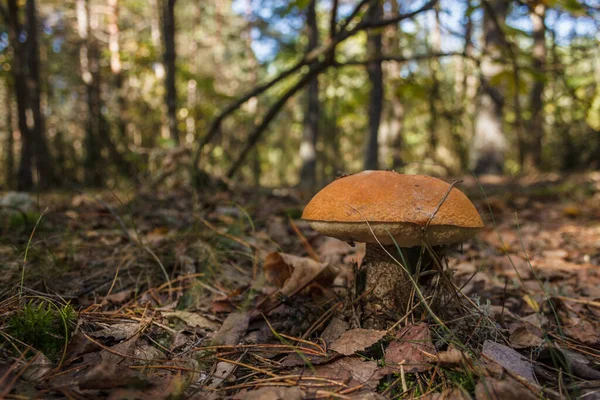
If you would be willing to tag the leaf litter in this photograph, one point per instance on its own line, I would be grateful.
(251, 308)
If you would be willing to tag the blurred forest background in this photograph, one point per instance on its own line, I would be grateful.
(288, 92)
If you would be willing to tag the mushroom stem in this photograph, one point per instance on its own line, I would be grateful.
(385, 284)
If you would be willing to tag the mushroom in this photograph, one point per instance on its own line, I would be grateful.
(387, 210)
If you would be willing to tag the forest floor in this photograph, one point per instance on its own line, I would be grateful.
(172, 294)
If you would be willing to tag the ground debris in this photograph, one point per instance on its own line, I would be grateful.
(355, 340)
(412, 348)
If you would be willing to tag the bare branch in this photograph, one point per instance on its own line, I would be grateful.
(401, 17)
(272, 113)
(344, 25)
(400, 59)
(306, 60)
(333, 19)
(326, 50)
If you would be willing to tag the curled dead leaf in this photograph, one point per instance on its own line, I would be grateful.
(412, 348)
(272, 393)
(193, 320)
(452, 357)
(494, 389)
(525, 336)
(356, 340)
(291, 275)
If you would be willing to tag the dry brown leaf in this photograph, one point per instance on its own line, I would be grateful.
(556, 264)
(193, 320)
(148, 353)
(364, 394)
(120, 331)
(355, 340)
(412, 348)
(232, 330)
(332, 250)
(163, 387)
(223, 371)
(334, 330)
(36, 371)
(296, 360)
(119, 297)
(448, 394)
(585, 332)
(109, 374)
(452, 357)
(272, 393)
(526, 335)
(352, 371)
(291, 273)
(494, 389)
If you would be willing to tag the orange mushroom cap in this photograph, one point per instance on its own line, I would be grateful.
(396, 206)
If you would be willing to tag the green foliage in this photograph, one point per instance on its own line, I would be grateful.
(44, 326)
(18, 221)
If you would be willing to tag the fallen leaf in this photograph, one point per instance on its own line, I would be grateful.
(292, 274)
(531, 302)
(272, 393)
(120, 331)
(412, 348)
(232, 330)
(334, 330)
(355, 340)
(571, 210)
(296, 360)
(119, 297)
(148, 353)
(509, 359)
(194, 320)
(526, 335)
(452, 357)
(109, 375)
(364, 394)
(448, 394)
(163, 387)
(585, 332)
(333, 250)
(223, 371)
(555, 253)
(494, 389)
(352, 371)
(36, 371)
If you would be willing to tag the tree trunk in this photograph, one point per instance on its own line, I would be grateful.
(489, 143)
(391, 138)
(9, 155)
(41, 153)
(253, 102)
(434, 93)
(25, 171)
(536, 127)
(375, 72)
(308, 150)
(116, 69)
(88, 59)
(169, 62)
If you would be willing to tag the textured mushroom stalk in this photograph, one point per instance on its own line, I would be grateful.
(385, 285)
